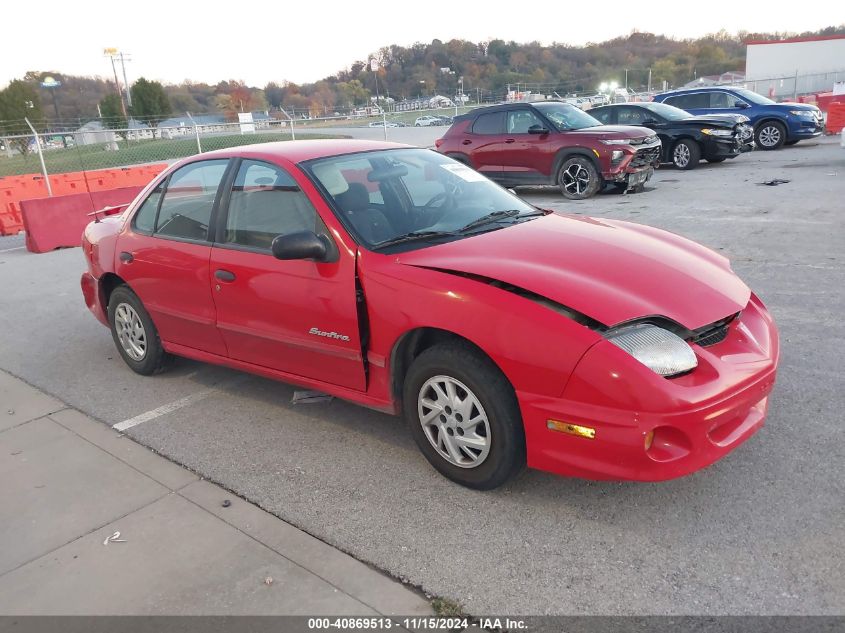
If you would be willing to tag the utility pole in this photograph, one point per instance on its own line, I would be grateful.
(110, 53)
(126, 81)
(626, 80)
(649, 79)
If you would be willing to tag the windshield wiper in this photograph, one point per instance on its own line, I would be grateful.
(495, 216)
(415, 236)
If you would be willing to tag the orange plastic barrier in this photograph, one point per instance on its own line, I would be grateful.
(835, 117)
(14, 189)
(58, 222)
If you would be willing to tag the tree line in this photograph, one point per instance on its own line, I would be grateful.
(483, 70)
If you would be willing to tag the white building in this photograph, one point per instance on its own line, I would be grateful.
(771, 66)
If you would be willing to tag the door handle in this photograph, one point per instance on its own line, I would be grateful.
(466, 141)
(126, 258)
(509, 140)
(224, 275)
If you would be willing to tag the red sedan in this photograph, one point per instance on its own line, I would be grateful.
(402, 280)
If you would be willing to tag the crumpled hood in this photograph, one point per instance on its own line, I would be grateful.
(609, 270)
(614, 131)
(727, 120)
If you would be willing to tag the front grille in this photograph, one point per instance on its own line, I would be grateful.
(714, 333)
(646, 156)
(744, 131)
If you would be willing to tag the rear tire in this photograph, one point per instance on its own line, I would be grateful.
(579, 179)
(464, 417)
(134, 333)
(770, 135)
(686, 154)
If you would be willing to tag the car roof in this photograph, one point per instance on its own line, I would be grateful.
(681, 91)
(300, 151)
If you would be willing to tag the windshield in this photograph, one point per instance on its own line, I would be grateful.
(670, 113)
(753, 97)
(566, 116)
(384, 195)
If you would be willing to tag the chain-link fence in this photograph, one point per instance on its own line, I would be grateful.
(99, 144)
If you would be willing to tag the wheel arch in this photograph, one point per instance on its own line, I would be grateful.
(569, 152)
(413, 343)
(461, 158)
(106, 284)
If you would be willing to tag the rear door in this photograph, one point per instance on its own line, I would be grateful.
(484, 142)
(297, 316)
(164, 255)
(723, 102)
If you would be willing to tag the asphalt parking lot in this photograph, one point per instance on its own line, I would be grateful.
(760, 532)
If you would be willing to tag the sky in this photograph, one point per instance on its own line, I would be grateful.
(172, 40)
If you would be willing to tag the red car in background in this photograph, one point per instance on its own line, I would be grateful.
(402, 280)
(552, 143)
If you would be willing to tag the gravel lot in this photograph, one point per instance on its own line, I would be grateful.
(760, 532)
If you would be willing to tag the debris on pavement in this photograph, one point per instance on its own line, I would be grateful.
(114, 538)
(268, 580)
(774, 182)
(308, 397)
(226, 503)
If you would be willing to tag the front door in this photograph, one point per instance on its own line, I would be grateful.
(525, 156)
(485, 141)
(296, 316)
(164, 255)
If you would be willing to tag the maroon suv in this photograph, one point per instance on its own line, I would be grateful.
(551, 142)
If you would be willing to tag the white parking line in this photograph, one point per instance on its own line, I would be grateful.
(9, 250)
(175, 405)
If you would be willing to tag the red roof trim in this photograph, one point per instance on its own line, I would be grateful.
(791, 40)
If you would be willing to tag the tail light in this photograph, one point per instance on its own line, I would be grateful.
(439, 142)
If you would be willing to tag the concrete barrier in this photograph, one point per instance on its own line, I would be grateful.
(58, 222)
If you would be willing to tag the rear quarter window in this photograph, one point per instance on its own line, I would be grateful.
(491, 123)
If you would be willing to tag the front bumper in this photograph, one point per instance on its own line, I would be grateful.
(802, 128)
(636, 160)
(726, 147)
(696, 419)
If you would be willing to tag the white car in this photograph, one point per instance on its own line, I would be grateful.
(426, 120)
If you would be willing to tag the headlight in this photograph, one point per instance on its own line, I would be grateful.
(616, 155)
(660, 350)
(712, 132)
(616, 141)
(801, 112)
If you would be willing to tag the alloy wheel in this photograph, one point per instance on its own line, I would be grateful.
(454, 422)
(576, 179)
(769, 136)
(681, 155)
(130, 331)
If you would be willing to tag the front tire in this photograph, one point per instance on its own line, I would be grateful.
(718, 159)
(134, 333)
(792, 142)
(464, 417)
(770, 135)
(686, 154)
(579, 179)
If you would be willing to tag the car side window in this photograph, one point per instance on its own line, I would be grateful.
(145, 218)
(630, 116)
(690, 101)
(604, 115)
(491, 123)
(721, 100)
(519, 121)
(185, 210)
(266, 202)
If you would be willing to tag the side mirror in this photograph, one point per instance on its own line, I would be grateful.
(300, 245)
(537, 129)
(741, 104)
